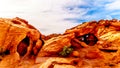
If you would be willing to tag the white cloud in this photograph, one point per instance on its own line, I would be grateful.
(115, 5)
(47, 15)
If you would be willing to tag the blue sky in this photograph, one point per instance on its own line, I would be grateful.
(96, 10)
(55, 16)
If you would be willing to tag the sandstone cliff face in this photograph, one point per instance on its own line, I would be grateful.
(88, 45)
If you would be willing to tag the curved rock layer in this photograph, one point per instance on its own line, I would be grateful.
(92, 44)
(18, 39)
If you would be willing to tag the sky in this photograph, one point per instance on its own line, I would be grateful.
(55, 16)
